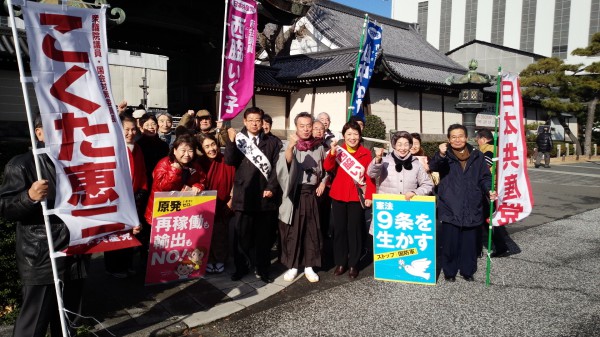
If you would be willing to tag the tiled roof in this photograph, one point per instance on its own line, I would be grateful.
(264, 77)
(329, 63)
(407, 55)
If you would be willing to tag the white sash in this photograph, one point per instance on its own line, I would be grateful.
(253, 153)
(350, 165)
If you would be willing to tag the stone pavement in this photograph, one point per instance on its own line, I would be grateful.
(125, 307)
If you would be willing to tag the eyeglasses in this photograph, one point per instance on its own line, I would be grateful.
(203, 117)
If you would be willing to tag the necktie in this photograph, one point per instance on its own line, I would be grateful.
(255, 140)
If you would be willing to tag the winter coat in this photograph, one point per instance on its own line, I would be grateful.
(33, 258)
(154, 150)
(249, 183)
(167, 178)
(544, 142)
(343, 187)
(391, 181)
(461, 193)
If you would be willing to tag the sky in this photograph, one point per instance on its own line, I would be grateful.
(380, 7)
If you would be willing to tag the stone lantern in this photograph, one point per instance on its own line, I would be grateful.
(470, 100)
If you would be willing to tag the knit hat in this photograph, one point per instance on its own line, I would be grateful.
(139, 113)
(203, 113)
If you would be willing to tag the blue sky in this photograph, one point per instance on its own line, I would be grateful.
(380, 7)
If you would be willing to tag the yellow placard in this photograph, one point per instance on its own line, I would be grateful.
(395, 255)
(166, 205)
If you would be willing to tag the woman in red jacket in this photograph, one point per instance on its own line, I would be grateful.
(219, 177)
(350, 162)
(177, 172)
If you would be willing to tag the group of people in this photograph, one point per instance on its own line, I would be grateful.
(292, 196)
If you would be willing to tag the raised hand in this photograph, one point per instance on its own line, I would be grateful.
(443, 149)
(231, 133)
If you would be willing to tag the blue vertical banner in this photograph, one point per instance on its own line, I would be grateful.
(404, 240)
(368, 56)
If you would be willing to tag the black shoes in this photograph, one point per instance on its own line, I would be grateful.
(450, 278)
(265, 278)
(503, 253)
(469, 278)
(238, 276)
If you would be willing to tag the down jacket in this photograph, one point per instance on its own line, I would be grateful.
(544, 142)
(391, 181)
(461, 193)
(167, 178)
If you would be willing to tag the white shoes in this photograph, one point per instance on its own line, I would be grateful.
(311, 275)
(290, 275)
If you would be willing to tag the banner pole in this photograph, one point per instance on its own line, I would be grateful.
(222, 61)
(33, 139)
(360, 46)
(491, 213)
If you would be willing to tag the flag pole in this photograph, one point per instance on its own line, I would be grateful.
(360, 46)
(222, 61)
(24, 80)
(494, 161)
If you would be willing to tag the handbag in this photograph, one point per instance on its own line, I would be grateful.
(361, 195)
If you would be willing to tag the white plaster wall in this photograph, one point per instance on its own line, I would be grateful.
(451, 115)
(432, 114)
(405, 10)
(544, 27)
(382, 105)
(301, 100)
(275, 107)
(457, 29)
(579, 28)
(484, 20)
(512, 23)
(333, 101)
(125, 83)
(408, 111)
(433, 22)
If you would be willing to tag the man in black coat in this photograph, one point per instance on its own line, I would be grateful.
(20, 196)
(544, 146)
(464, 181)
(256, 195)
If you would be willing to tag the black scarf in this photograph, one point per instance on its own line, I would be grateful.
(406, 163)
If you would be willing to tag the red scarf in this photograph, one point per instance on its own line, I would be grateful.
(308, 144)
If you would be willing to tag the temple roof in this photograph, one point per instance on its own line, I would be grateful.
(406, 55)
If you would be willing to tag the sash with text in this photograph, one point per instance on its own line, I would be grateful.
(349, 164)
(238, 71)
(82, 132)
(515, 197)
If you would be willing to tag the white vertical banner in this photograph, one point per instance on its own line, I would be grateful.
(82, 131)
(515, 197)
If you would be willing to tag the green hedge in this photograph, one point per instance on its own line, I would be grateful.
(10, 287)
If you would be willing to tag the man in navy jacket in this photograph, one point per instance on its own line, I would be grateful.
(464, 180)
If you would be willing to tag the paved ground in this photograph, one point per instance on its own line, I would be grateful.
(548, 288)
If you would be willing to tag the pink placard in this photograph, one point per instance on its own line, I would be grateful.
(181, 234)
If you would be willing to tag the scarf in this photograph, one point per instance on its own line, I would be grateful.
(402, 163)
(462, 156)
(307, 144)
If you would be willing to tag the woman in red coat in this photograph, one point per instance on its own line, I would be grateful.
(177, 172)
(219, 177)
(347, 211)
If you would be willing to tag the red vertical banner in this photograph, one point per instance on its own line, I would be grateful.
(515, 197)
(181, 234)
(238, 70)
(82, 132)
